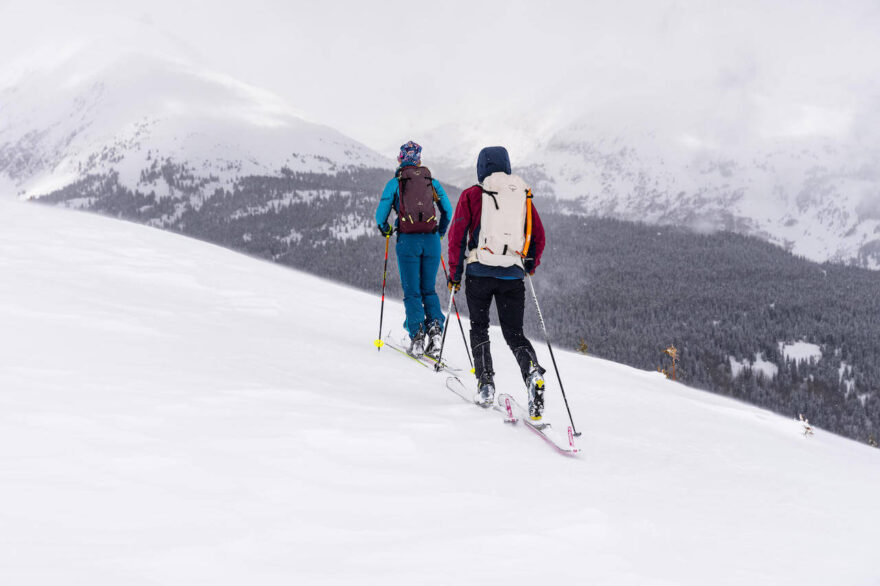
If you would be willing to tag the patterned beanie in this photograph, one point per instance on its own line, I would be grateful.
(410, 153)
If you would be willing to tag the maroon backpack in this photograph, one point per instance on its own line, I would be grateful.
(416, 213)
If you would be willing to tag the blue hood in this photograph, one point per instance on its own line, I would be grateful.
(492, 160)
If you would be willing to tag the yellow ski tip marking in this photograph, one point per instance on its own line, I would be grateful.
(474, 371)
(378, 343)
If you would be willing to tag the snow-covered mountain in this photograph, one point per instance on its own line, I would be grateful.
(161, 125)
(173, 412)
(130, 114)
(817, 197)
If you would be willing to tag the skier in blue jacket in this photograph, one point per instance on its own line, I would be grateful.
(418, 244)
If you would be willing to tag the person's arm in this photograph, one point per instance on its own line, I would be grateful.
(539, 240)
(386, 202)
(445, 208)
(458, 235)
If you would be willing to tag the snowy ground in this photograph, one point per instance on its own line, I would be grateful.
(799, 351)
(175, 413)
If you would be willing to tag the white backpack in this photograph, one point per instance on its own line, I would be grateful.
(503, 221)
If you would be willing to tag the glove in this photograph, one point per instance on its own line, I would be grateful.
(453, 285)
(386, 230)
(529, 265)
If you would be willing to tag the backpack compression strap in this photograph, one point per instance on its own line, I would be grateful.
(525, 249)
(492, 194)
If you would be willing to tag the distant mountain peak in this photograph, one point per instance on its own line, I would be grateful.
(134, 108)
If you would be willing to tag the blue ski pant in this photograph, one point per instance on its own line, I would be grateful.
(418, 257)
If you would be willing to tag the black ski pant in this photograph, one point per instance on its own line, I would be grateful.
(510, 300)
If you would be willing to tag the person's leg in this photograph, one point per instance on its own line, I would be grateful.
(510, 300)
(430, 262)
(409, 263)
(478, 291)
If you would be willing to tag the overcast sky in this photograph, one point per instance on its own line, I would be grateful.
(376, 70)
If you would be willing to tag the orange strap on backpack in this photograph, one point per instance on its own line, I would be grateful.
(525, 250)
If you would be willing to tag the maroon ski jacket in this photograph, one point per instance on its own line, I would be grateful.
(464, 231)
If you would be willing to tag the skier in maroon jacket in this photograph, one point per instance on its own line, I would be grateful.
(485, 280)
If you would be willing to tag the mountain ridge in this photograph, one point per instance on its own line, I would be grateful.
(816, 197)
(141, 108)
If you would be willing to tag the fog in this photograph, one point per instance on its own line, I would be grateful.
(710, 72)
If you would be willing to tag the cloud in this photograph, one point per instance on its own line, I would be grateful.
(715, 71)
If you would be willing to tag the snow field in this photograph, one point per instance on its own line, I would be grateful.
(175, 413)
(800, 351)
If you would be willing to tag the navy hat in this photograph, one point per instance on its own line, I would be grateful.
(491, 160)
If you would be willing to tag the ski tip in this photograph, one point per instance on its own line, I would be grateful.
(378, 343)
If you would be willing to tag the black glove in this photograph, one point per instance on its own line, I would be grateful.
(386, 230)
(529, 265)
(453, 285)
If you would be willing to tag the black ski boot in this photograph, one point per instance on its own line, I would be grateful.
(434, 339)
(533, 376)
(535, 383)
(485, 396)
(417, 344)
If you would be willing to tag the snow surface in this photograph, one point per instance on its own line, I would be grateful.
(759, 364)
(174, 413)
(799, 351)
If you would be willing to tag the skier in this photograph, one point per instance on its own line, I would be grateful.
(415, 195)
(497, 233)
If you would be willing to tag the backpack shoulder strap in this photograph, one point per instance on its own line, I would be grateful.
(401, 183)
(491, 194)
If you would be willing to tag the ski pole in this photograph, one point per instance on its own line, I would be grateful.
(439, 364)
(556, 368)
(379, 343)
(461, 327)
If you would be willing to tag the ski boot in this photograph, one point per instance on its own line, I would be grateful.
(434, 340)
(417, 344)
(535, 382)
(485, 396)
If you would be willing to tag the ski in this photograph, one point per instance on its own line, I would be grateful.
(424, 359)
(408, 355)
(504, 403)
(445, 366)
(454, 384)
(514, 412)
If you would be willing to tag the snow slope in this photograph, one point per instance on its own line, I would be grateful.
(175, 413)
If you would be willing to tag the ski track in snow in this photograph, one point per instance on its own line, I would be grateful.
(174, 413)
